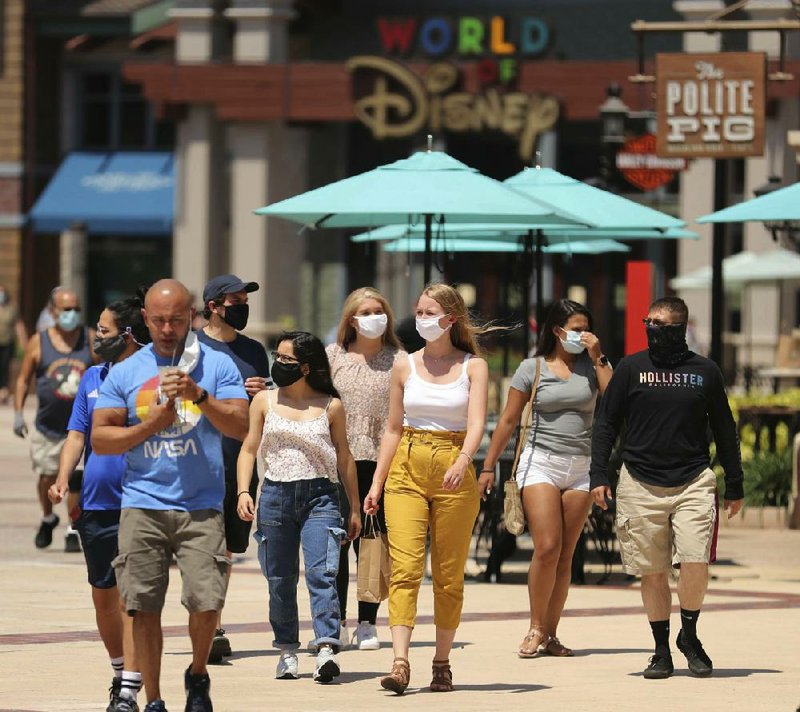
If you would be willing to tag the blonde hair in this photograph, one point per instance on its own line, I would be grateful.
(464, 332)
(346, 333)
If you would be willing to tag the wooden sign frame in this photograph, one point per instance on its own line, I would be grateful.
(711, 105)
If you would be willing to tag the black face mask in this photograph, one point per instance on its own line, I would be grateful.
(285, 374)
(110, 349)
(236, 315)
(667, 344)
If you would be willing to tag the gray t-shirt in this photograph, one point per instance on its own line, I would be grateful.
(563, 410)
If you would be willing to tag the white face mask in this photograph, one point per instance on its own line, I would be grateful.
(429, 329)
(572, 344)
(372, 326)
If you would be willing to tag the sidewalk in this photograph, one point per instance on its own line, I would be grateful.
(51, 658)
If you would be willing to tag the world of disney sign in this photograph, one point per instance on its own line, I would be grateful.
(394, 101)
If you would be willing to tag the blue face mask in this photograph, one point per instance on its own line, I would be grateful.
(572, 344)
(69, 319)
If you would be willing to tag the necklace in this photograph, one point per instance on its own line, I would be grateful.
(434, 358)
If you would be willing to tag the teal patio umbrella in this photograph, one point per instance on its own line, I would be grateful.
(426, 186)
(454, 245)
(778, 210)
(779, 206)
(513, 232)
(597, 208)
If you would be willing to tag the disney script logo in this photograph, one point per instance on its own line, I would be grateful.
(402, 103)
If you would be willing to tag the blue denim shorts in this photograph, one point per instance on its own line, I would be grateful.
(98, 530)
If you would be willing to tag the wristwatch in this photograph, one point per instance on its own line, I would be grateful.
(603, 360)
(203, 396)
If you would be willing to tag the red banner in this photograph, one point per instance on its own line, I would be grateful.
(639, 296)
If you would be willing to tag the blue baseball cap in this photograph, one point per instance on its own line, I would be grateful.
(226, 284)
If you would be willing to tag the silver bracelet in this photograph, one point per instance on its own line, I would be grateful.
(467, 455)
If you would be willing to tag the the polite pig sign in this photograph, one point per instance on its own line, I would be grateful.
(710, 105)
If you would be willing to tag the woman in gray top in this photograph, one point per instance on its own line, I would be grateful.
(553, 470)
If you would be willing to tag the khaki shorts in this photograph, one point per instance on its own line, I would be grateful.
(658, 527)
(148, 538)
(45, 453)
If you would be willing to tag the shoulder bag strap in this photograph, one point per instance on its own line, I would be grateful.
(523, 432)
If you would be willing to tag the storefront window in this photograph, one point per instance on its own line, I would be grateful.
(114, 115)
(146, 260)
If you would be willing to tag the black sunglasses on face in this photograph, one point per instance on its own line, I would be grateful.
(658, 322)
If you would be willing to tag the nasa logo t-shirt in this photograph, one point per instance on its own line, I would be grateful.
(180, 467)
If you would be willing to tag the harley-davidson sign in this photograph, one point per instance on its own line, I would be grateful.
(711, 105)
(640, 166)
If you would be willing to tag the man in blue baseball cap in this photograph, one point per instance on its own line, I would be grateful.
(226, 309)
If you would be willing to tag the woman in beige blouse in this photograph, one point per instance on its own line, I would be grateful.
(361, 363)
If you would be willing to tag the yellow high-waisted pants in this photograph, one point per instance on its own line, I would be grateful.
(415, 502)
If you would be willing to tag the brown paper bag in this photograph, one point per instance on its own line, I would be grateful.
(374, 564)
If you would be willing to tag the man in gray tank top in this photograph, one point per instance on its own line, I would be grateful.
(58, 356)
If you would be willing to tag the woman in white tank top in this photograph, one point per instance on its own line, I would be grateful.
(299, 433)
(437, 415)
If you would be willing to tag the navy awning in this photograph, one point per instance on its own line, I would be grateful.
(111, 193)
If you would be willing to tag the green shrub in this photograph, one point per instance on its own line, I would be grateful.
(768, 479)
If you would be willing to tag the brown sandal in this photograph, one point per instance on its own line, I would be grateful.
(397, 680)
(442, 680)
(531, 644)
(556, 648)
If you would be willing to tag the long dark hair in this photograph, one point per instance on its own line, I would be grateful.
(558, 315)
(128, 315)
(308, 349)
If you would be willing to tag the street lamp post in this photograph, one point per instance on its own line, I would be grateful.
(614, 113)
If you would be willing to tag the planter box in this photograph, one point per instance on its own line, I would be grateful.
(757, 518)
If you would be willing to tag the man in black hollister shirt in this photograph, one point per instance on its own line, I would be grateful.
(667, 397)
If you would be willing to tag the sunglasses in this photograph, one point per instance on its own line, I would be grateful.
(658, 322)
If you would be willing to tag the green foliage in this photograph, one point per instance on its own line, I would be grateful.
(788, 398)
(767, 475)
(768, 479)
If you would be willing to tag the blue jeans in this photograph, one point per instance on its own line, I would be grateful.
(291, 515)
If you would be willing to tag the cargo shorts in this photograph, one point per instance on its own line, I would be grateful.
(149, 538)
(659, 527)
(45, 453)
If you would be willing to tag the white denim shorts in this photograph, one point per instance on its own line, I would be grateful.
(566, 472)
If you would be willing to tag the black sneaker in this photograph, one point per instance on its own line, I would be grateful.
(155, 706)
(659, 668)
(113, 693)
(126, 704)
(197, 688)
(220, 647)
(72, 543)
(699, 663)
(44, 537)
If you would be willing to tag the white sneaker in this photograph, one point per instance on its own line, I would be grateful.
(367, 637)
(327, 665)
(287, 666)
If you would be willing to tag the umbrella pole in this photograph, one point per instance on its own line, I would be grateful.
(527, 273)
(717, 255)
(539, 281)
(428, 258)
(506, 309)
